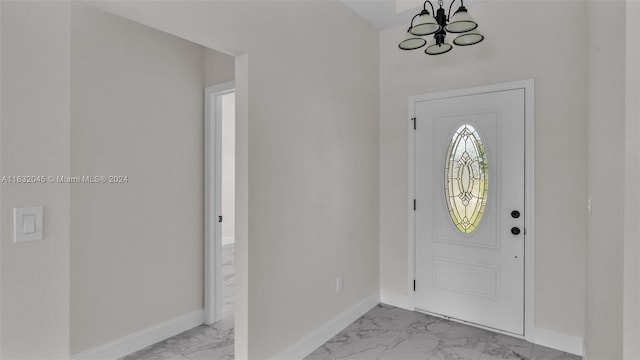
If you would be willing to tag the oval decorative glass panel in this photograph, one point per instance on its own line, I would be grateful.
(466, 178)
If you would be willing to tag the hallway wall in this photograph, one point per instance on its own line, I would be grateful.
(136, 110)
(34, 141)
(631, 318)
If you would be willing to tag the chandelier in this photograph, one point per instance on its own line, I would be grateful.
(424, 24)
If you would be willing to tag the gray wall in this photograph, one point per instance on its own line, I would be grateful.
(34, 140)
(631, 318)
(136, 110)
(219, 67)
(613, 250)
(606, 182)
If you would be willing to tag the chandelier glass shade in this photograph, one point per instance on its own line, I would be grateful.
(424, 24)
(437, 49)
(412, 42)
(469, 38)
(461, 22)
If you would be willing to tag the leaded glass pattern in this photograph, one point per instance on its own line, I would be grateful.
(466, 178)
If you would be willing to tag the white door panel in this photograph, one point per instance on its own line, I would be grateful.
(474, 274)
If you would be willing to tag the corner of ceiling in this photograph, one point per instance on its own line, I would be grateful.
(383, 14)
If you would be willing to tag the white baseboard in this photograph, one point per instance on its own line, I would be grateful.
(228, 240)
(397, 300)
(559, 341)
(314, 340)
(143, 338)
(584, 350)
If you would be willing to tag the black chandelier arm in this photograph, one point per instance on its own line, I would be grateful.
(424, 7)
(451, 7)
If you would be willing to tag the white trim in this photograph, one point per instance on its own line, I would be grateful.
(228, 240)
(528, 86)
(584, 349)
(559, 341)
(529, 169)
(141, 339)
(321, 335)
(212, 205)
(398, 300)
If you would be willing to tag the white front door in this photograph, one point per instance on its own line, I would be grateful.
(469, 208)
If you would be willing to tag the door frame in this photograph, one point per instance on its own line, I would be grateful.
(212, 200)
(528, 86)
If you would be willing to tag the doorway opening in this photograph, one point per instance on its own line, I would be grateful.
(220, 202)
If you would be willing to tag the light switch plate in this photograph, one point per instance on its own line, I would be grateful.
(27, 224)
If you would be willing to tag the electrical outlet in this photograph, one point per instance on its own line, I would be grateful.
(339, 283)
(589, 208)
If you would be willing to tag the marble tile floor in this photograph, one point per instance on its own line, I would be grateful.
(387, 332)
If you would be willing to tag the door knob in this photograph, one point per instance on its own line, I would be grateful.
(515, 214)
(515, 230)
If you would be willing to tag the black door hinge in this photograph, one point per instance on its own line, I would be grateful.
(414, 123)
(414, 204)
(219, 218)
(414, 285)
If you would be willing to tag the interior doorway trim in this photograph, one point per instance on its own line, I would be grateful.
(212, 200)
(528, 87)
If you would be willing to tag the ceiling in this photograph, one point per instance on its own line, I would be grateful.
(385, 14)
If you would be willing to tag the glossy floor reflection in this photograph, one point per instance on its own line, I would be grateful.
(387, 332)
